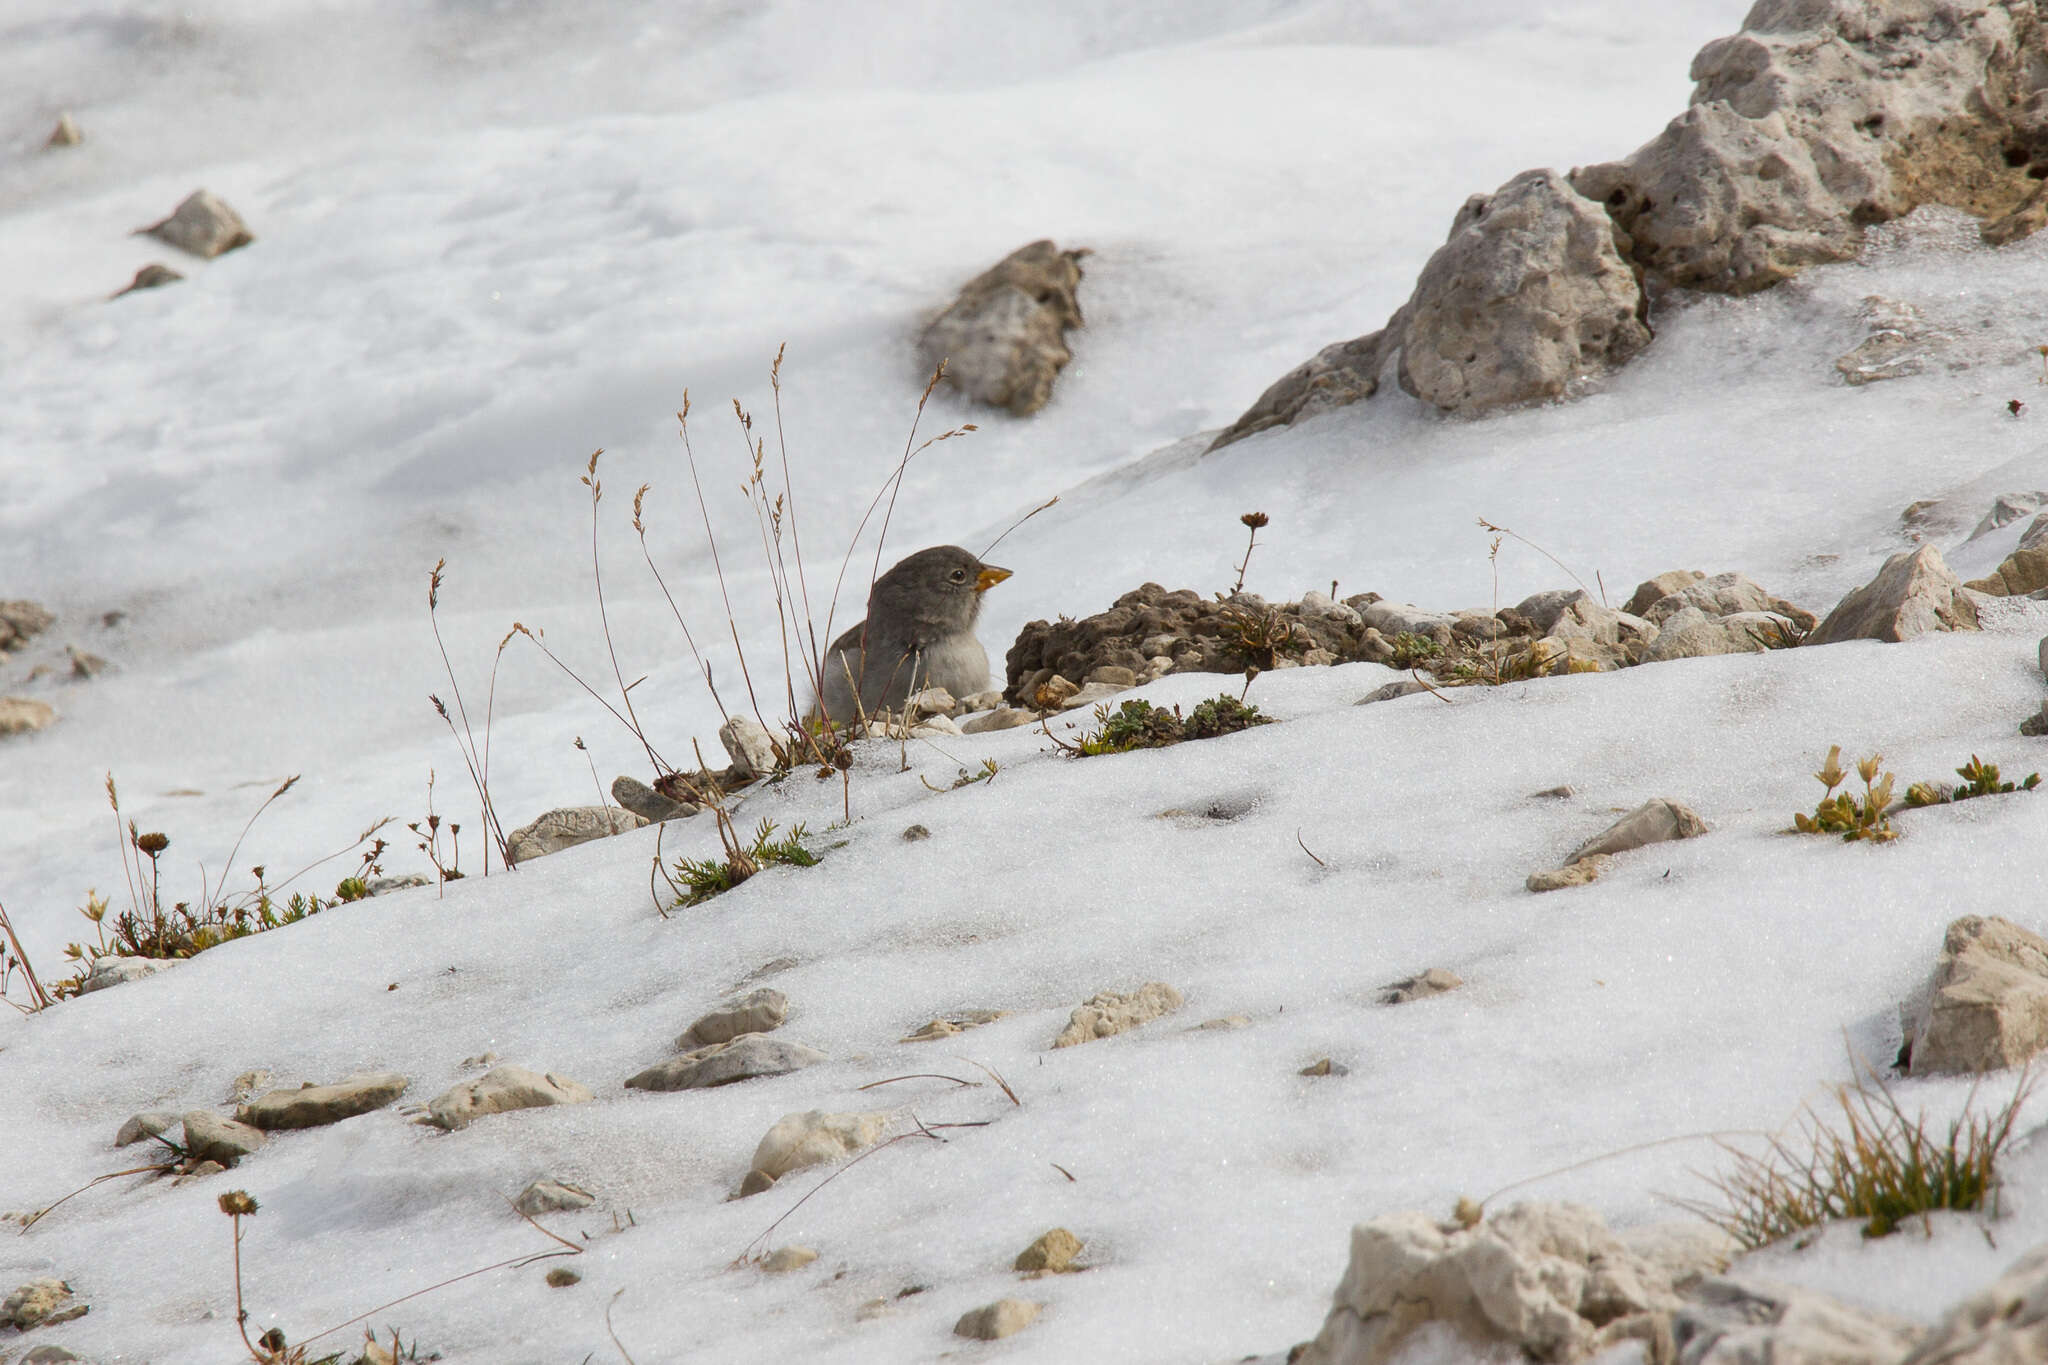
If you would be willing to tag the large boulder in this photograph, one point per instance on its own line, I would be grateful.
(1003, 340)
(1987, 1007)
(1914, 594)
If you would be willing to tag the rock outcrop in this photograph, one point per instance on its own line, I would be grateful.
(1914, 594)
(1003, 340)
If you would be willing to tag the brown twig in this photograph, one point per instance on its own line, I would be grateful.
(614, 1335)
(36, 993)
(1306, 849)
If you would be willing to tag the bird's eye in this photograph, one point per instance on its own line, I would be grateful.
(959, 575)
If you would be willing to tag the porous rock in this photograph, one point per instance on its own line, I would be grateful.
(2005, 1323)
(1655, 821)
(311, 1106)
(1988, 1004)
(209, 1137)
(1585, 870)
(203, 225)
(1435, 981)
(1915, 593)
(1747, 1322)
(1109, 1013)
(650, 805)
(38, 1303)
(741, 1059)
(813, 1138)
(24, 715)
(753, 750)
(1003, 339)
(1053, 1252)
(499, 1090)
(547, 1195)
(761, 1010)
(994, 1321)
(957, 1022)
(567, 827)
(20, 620)
(1547, 1278)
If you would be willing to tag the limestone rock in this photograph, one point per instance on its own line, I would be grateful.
(20, 620)
(1435, 981)
(39, 1303)
(568, 826)
(754, 1183)
(148, 1124)
(1527, 297)
(552, 1196)
(1690, 633)
(1053, 1253)
(246, 1085)
(1587, 869)
(743, 1058)
(1731, 1322)
(754, 751)
(1003, 340)
(932, 701)
(406, 881)
(1654, 590)
(1913, 594)
(1393, 691)
(203, 225)
(2023, 571)
(24, 715)
(311, 1106)
(2005, 1323)
(155, 275)
(66, 134)
(1547, 1278)
(958, 1022)
(1002, 718)
(1109, 1013)
(1090, 695)
(994, 1321)
(1337, 376)
(209, 1137)
(647, 803)
(1724, 595)
(1988, 1007)
(1653, 822)
(813, 1138)
(785, 1259)
(498, 1090)
(762, 1010)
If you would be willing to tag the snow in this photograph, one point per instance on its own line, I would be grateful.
(492, 238)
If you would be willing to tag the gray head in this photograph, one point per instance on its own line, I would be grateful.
(935, 592)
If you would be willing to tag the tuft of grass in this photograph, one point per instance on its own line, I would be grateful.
(1843, 812)
(699, 879)
(1140, 725)
(1979, 779)
(1876, 1163)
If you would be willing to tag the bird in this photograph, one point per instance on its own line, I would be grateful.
(919, 633)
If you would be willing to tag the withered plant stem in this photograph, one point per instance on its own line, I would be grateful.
(36, 992)
(596, 487)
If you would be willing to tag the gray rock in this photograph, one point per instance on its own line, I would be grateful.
(203, 225)
(1435, 981)
(760, 1011)
(1988, 1005)
(1337, 376)
(1744, 1322)
(1395, 618)
(1654, 590)
(1913, 594)
(647, 803)
(499, 1090)
(24, 715)
(1003, 340)
(1400, 687)
(753, 750)
(119, 971)
(312, 1106)
(568, 826)
(1653, 822)
(1542, 609)
(744, 1058)
(1726, 594)
(2005, 1323)
(1690, 633)
(981, 701)
(209, 1137)
(155, 275)
(552, 1196)
(148, 1124)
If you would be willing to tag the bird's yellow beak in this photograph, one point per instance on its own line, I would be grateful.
(990, 576)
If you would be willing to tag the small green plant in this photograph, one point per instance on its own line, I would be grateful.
(1412, 650)
(1140, 725)
(1979, 779)
(1879, 1165)
(699, 879)
(1844, 813)
(986, 773)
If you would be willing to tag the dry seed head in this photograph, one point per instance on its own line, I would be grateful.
(238, 1203)
(1255, 519)
(152, 844)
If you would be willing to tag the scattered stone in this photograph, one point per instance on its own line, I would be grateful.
(1109, 1013)
(67, 133)
(568, 826)
(1400, 687)
(785, 1259)
(548, 1195)
(40, 1303)
(199, 1170)
(1561, 792)
(24, 715)
(932, 726)
(1547, 1278)
(1090, 695)
(119, 971)
(1002, 718)
(203, 225)
(741, 1059)
(1588, 869)
(155, 275)
(1003, 340)
(760, 1011)
(247, 1084)
(1053, 1253)
(1224, 1023)
(1987, 1008)
(1435, 981)
(754, 751)
(916, 834)
(1653, 822)
(957, 1022)
(20, 620)
(480, 1061)
(1731, 1322)
(312, 1106)
(2036, 725)
(498, 1090)
(650, 805)
(561, 1277)
(148, 1124)
(981, 701)
(2002, 1324)
(1914, 594)
(1690, 633)
(1323, 1066)
(1112, 675)
(209, 1137)
(994, 1321)
(405, 881)
(49, 1355)
(932, 701)
(808, 1139)
(754, 1183)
